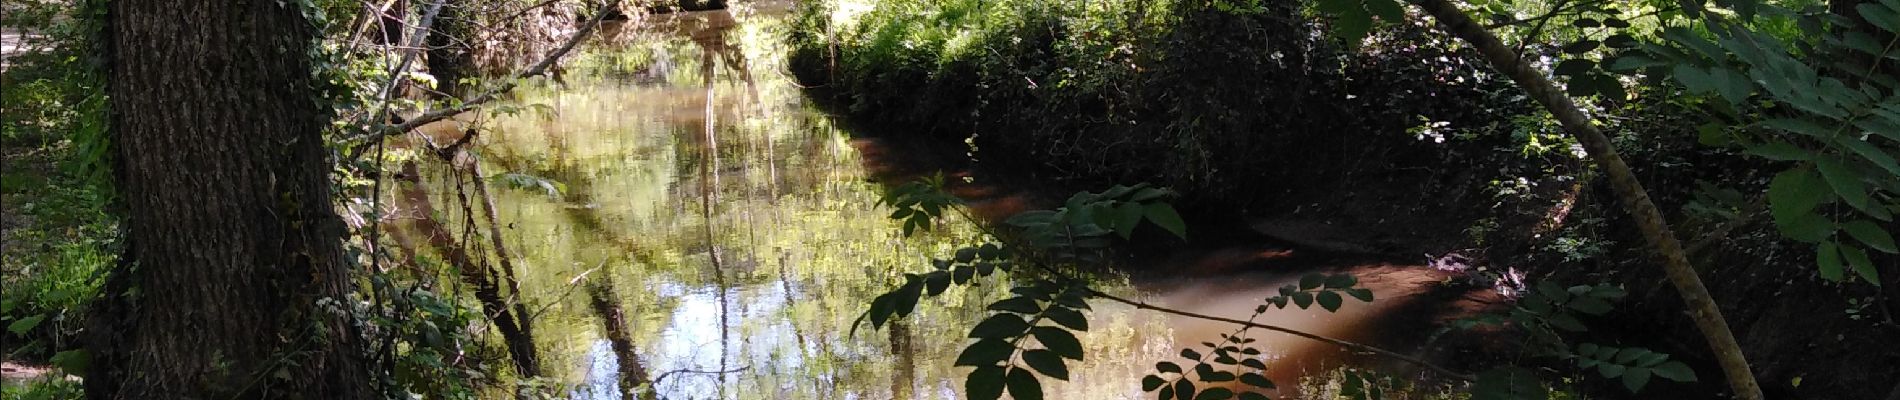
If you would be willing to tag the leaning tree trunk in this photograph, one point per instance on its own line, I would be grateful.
(233, 283)
(1629, 191)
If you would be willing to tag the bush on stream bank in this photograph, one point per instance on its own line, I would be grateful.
(1403, 137)
(1182, 94)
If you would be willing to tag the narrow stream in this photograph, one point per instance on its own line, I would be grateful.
(689, 184)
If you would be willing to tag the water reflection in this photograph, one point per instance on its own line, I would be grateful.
(714, 237)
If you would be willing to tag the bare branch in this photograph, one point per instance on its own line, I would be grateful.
(386, 130)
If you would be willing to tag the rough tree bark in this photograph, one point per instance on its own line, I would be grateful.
(1629, 191)
(232, 283)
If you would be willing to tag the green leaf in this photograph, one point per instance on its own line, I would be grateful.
(1880, 16)
(1184, 388)
(1312, 281)
(1779, 151)
(1150, 383)
(1864, 267)
(985, 353)
(74, 362)
(1362, 294)
(1827, 256)
(1166, 366)
(1635, 378)
(1019, 304)
(882, 307)
(1581, 46)
(1001, 325)
(1675, 371)
(1303, 299)
(1216, 393)
(1589, 305)
(1793, 195)
(1845, 182)
(23, 325)
(1256, 379)
(1873, 154)
(1068, 318)
(985, 383)
(1873, 235)
(1127, 216)
(1329, 300)
(1386, 10)
(1164, 216)
(1575, 66)
(1047, 363)
(1023, 385)
(1351, 22)
(1341, 281)
(1060, 341)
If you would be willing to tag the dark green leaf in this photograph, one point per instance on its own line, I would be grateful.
(1589, 305)
(1165, 366)
(1150, 383)
(1871, 234)
(1864, 267)
(986, 352)
(1190, 354)
(985, 383)
(1184, 388)
(1575, 66)
(1362, 294)
(1019, 304)
(1581, 46)
(1341, 281)
(23, 325)
(1303, 299)
(1793, 195)
(1845, 182)
(1001, 325)
(1163, 215)
(1127, 216)
(1585, 23)
(1386, 10)
(1216, 393)
(1060, 341)
(936, 282)
(1635, 378)
(1255, 379)
(1047, 363)
(1069, 318)
(1312, 281)
(1329, 300)
(1827, 256)
(1675, 371)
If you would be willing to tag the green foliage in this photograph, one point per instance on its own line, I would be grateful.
(43, 389)
(1031, 334)
(1782, 99)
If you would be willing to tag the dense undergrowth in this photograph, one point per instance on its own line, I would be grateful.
(1250, 108)
(58, 235)
(1184, 94)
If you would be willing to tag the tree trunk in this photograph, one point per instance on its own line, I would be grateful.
(1629, 191)
(233, 283)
